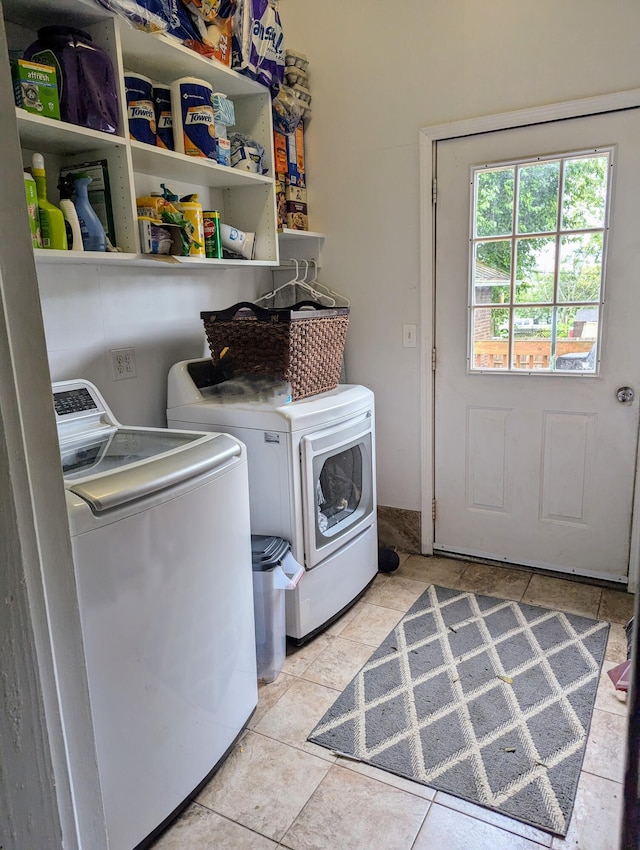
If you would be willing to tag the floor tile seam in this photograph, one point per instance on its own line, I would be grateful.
(384, 785)
(491, 592)
(237, 823)
(311, 681)
(477, 817)
(430, 804)
(613, 622)
(619, 782)
(512, 568)
(624, 713)
(331, 759)
(283, 838)
(349, 639)
(301, 678)
(532, 841)
(594, 772)
(351, 764)
(606, 711)
(330, 638)
(555, 607)
(402, 610)
(390, 586)
(376, 605)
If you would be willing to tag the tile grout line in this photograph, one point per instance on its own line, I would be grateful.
(437, 802)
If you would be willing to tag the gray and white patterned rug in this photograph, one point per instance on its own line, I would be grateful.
(486, 699)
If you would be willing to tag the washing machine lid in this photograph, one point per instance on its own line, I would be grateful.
(108, 465)
(130, 463)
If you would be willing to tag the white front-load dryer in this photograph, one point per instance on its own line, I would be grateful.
(311, 468)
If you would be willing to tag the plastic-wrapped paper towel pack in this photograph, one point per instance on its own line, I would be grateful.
(258, 42)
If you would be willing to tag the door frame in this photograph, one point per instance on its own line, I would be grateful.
(429, 137)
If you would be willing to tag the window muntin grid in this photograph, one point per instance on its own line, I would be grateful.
(538, 241)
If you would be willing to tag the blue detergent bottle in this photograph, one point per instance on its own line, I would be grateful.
(93, 235)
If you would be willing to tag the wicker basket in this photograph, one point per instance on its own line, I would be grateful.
(302, 345)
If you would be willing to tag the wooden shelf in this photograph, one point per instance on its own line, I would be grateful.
(245, 200)
(159, 262)
(40, 133)
(52, 12)
(286, 234)
(190, 169)
(166, 59)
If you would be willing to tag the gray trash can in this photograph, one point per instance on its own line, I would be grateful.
(275, 571)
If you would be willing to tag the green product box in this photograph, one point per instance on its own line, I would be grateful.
(35, 88)
(99, 192)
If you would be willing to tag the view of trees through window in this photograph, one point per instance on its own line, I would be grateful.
(538, 241)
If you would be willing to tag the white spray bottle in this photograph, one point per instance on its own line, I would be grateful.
(72, 223)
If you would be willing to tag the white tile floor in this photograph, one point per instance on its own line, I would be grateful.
(278, 790)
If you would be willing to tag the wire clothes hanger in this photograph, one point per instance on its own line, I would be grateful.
(301, 288)
(338, 299)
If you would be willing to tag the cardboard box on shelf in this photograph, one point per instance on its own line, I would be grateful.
(159, 238)
(281, 200)
(35, 88)
(297, 218)
(223, 151)
(295, 158)
(298, 194)
(280, 165)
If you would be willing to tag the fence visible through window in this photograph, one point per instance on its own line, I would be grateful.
(538, 245)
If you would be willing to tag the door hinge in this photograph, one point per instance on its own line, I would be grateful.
(433, 359)
(434, 191)
(433, 510)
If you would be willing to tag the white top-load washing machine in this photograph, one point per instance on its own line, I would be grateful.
(311, 480)
(161, 543)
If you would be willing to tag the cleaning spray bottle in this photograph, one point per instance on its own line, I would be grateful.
(72, 223)
(32, 208)
(93, 236)
(52, 228)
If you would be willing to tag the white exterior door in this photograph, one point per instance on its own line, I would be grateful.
(534, 458)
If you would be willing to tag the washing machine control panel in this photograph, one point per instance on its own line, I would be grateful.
(74, 401)
(80, 408)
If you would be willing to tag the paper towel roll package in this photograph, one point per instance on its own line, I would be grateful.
(164, 121)
(140, 109)
(193, 119)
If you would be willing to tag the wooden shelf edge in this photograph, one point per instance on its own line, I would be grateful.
(286, 232)
(45, 256)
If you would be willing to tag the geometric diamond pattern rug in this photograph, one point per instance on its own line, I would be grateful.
(486, 699)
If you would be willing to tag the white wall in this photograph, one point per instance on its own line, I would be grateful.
(378, 73)
(89, 310)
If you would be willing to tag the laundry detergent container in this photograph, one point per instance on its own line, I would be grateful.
(275, 571)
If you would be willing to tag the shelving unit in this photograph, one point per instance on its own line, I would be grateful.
(300, 245)
(245, 201)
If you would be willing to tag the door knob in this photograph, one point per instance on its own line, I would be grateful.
(625, 395)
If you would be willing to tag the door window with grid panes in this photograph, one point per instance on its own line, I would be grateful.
(537, 263)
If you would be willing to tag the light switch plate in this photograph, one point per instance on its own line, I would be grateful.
(409, 336)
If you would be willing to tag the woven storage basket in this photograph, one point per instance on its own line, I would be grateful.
(302, 345)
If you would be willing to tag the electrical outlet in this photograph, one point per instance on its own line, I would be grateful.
(123, 363)
(409, 336)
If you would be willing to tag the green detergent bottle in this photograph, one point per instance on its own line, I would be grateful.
(52, 229)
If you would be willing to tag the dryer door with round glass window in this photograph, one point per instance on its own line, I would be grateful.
(338, 495)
